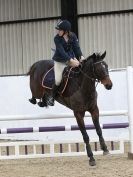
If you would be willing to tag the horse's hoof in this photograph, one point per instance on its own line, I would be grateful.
(32, 100)
(92, 162)
(41, 104)
(106, 152)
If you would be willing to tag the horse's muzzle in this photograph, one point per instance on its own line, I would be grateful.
(107, 83)
(108, 87)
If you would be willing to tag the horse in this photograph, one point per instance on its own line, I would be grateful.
(84, 96)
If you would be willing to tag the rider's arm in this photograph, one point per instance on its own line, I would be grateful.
(59, 48)
(76, 47)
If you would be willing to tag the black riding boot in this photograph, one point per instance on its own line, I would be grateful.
(54, 94)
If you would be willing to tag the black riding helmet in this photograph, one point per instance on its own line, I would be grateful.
(64, 25)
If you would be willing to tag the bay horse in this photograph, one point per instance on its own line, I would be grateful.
(84, 96)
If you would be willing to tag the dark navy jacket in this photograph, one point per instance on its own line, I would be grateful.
(66, 50)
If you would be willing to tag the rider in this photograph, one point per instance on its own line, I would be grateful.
(67, 52)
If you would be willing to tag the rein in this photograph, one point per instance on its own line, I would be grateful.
(91, 78)
(86, 75)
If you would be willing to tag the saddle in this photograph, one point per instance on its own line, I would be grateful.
(68, 74)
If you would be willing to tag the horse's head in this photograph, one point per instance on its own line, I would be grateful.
(99, 69)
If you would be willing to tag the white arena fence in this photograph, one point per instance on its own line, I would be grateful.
(69, 147)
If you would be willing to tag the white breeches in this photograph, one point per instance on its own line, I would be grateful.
(58, 70)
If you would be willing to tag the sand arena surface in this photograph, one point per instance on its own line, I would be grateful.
(107, 166)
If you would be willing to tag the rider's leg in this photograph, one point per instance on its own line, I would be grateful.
(58, 70)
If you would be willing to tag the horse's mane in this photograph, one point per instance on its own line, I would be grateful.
(89, 61)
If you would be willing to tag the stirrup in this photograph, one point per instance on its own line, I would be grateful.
(51, 101)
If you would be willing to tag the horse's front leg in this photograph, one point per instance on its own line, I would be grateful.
(95, 118)
(80, 120)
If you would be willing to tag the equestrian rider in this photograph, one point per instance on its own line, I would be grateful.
(67, 52)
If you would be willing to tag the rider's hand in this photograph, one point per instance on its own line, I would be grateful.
(74, 63)
(82, 58)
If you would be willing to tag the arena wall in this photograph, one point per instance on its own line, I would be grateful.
(27, 31)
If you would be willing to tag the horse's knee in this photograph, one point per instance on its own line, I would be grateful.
(86, 139)
(99, 132)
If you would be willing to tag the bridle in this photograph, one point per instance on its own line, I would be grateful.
(93, 70)
(94, 78)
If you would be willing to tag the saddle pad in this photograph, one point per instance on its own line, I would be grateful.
(48, 79)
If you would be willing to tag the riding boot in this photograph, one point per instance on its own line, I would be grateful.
(54, 94)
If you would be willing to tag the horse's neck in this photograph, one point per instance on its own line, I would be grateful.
(88, 84)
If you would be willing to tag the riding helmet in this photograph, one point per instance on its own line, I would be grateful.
(64, 25)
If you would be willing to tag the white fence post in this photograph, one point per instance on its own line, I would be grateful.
(130, 107)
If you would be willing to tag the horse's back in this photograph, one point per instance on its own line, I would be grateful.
(40, 67)
(44, 65)
(36, 72)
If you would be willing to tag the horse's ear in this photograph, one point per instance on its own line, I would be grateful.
(91, 56)
(103, 55)
(94, 55)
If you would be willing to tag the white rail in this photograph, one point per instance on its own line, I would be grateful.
(50, 116)
(130, 104)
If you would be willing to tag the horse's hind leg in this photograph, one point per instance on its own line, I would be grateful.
(43, 102)
(80, 120)
(95, 118)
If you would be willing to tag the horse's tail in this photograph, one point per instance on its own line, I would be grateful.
(31, 70)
